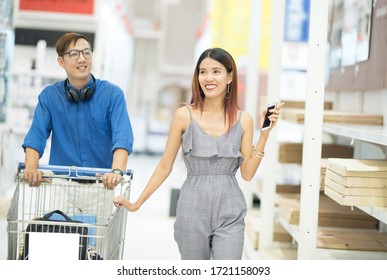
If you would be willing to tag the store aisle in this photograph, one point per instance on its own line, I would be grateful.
(149, 234)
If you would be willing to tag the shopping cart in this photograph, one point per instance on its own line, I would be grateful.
(77, 203)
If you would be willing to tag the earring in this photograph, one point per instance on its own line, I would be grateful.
(228, 94)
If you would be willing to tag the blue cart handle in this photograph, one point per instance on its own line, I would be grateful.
(75, 170)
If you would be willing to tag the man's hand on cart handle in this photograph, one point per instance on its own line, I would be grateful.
(120, 201)
(110, 180)
(34, 177)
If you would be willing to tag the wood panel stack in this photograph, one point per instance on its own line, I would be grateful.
(330, 213)
(298, 104)
(356, 182)
(352, 240)
(298, 116)
(292, 152)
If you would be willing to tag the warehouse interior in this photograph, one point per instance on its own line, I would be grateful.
(320, 192)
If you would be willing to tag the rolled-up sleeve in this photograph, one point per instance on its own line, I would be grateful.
(40, 128)
(121, 127)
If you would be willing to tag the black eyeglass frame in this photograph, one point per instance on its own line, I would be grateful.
(79, 53)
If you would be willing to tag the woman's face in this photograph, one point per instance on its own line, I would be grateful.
(213, 78)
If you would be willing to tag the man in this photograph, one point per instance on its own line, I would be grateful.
(86, 117)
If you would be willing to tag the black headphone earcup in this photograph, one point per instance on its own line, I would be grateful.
(72, 95)
(86, 93)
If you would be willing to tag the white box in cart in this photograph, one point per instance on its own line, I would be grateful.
(59, 246)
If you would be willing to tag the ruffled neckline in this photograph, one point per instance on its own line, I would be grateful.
(193, 122)
(221, 146)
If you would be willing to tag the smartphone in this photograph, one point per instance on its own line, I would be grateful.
(267, 123)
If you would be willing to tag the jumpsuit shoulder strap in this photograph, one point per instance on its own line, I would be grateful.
(240, 115)
(189, 111)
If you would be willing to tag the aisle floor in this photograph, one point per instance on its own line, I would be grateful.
(149, 234)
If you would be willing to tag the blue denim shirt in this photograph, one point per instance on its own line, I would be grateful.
(84, 133)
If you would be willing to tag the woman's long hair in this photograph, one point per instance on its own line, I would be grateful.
(230, 102)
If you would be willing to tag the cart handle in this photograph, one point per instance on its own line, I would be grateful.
(74, 170)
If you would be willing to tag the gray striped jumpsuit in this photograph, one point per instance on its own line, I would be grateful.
(211, 206)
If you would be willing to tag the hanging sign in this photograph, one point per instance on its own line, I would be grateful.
(85, 7)
(296, 27)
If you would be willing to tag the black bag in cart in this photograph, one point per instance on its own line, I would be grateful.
(60, 227)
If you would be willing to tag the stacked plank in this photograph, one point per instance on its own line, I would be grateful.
(323, 171)
(330, 213)
(355, 182)
(292, 152)
(352, 240)
(298, 116)
(298, 104)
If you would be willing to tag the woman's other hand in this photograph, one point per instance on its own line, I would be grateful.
(120, 201)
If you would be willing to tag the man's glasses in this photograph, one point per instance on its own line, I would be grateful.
(74, 54)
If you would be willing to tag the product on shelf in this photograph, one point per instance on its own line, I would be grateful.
(292, 152)
(330, 213)
(352, 240)
(356, 182)
(298, 116)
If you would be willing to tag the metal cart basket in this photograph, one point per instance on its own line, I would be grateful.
(77, 202)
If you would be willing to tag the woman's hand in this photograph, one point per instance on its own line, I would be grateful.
(123, 202)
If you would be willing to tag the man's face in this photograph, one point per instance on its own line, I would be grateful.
(77, 62)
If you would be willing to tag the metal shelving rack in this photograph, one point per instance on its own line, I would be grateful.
(306, 232)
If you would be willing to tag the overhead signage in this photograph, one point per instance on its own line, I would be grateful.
(85, 7)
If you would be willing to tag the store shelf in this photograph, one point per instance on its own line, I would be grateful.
(323, 253)
(248, 251)
(369, 133)
(331, 254)
(278, 254)
(379, 213)
(279, 251)
(293, 230)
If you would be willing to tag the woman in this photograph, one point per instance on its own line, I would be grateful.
(216, 139)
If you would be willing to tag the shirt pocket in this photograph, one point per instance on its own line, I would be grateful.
(101, 132)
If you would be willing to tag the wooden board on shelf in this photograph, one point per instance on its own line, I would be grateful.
(355, 200)
(298, 104)
(330, 213)
(292, 152)
(298, 116)
(288, 188)
(280, 188)
(253, 228)
(352, 240)
(357, 182)
(279, 254)
(358, 167)
(355, 191)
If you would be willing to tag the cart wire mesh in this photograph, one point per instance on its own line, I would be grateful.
(84, 200)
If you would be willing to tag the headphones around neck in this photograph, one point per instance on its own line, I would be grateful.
(74, 95)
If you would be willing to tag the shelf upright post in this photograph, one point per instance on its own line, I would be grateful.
(252, 71)
(271, 150)
(314, 106)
